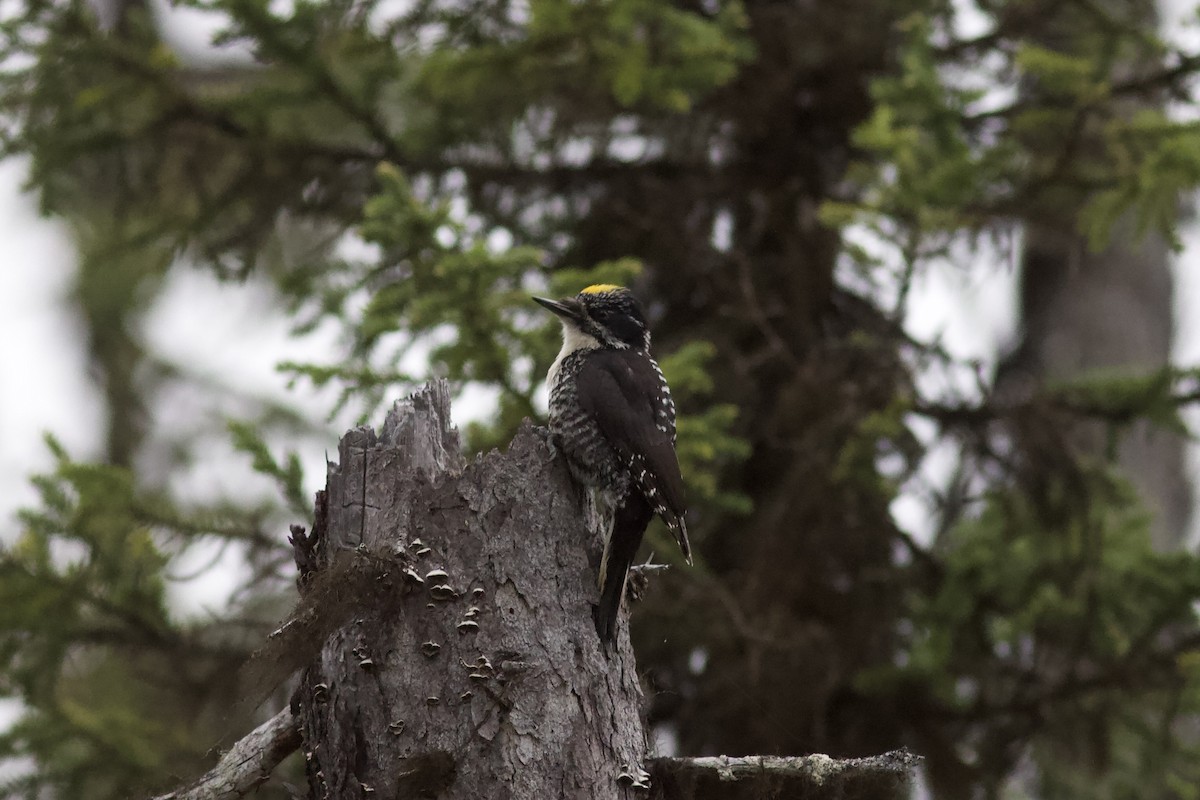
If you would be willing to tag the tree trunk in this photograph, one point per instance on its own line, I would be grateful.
(477, 666)
(446, 610)
(1084, 311)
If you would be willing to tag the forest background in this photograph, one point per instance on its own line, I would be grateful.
(918, 272)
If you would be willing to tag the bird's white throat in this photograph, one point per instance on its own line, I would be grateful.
(573, 339)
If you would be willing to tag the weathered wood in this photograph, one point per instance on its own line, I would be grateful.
(247, 764)
(481, 675)
(446, 617)
(814, 777)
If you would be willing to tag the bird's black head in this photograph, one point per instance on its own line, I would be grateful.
(609, 314)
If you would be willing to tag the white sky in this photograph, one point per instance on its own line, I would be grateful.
(232, 334)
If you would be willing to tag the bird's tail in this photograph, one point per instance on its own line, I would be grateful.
(680, 531)
(678, 527)
(620, 549)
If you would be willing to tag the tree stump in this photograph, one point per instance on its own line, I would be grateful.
(446, 620)
(475, 670)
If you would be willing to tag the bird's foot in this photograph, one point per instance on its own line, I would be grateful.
(639, 577)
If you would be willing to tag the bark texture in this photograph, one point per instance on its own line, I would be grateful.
(815, 777)
(446, 620)
(477, 671)
(247, 764)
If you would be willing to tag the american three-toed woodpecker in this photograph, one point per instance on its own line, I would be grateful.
(612, 415)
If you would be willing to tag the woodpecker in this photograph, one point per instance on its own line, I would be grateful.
(612, 415)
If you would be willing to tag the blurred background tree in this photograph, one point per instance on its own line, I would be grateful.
(772, 179)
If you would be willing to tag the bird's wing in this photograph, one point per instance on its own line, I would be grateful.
(627, 398)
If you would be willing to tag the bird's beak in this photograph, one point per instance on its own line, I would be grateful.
(567, 308)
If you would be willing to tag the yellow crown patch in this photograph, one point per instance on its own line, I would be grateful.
(599, 288)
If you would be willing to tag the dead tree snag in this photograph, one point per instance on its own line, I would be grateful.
(483, 674)
(448, 648)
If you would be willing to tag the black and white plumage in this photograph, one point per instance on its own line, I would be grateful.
(612, 415)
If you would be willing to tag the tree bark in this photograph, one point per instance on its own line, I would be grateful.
(478, 666)
(815, 777)
(247, 764)
(446, 610)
